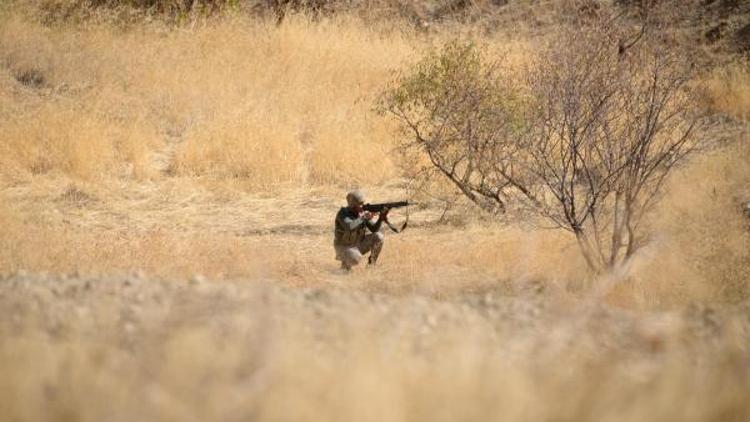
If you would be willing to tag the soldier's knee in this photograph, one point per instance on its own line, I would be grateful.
(352, 256)
(379, 237)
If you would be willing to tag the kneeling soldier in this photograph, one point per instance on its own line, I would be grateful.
(351, 239)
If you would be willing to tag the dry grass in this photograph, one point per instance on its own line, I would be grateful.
(163, 129)
(729, 87)
(223, 149)
(231, 99)
(175, 231)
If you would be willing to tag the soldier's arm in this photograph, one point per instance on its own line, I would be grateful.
(374, 227)
(353, 223)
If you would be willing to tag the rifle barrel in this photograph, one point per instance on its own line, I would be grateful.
(379, 207)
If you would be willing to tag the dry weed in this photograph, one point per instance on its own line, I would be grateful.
(729, 89)
(231, 99)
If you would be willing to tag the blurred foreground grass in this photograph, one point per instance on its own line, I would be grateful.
(128, 348)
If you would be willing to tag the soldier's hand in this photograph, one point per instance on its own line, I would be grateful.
(367, 215)
(384, 212)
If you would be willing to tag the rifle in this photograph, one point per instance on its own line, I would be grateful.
(389, 205)
(380, 207)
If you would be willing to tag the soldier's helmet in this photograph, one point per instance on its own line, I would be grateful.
(355, 197)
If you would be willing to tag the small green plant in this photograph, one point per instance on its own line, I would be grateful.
(456, 107)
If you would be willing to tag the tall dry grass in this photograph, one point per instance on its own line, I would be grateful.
(228, 99)
(729, 88)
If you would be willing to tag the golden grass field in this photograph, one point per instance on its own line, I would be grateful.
(167, 196)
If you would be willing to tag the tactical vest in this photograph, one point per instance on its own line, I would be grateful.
(343, 236)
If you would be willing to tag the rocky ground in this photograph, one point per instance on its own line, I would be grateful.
(134, 349)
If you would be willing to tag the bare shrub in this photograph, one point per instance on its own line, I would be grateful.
(585, 140)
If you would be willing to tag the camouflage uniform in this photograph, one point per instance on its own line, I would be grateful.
(351, 240)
